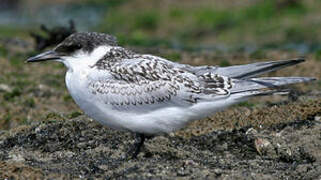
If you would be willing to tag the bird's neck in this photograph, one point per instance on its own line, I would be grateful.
(86, 60)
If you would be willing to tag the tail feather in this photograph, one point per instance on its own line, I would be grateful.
(253, 70)
(264, 86)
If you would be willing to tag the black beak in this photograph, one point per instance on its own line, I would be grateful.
(49, 55)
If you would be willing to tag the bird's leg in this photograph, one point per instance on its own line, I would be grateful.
(139, 142)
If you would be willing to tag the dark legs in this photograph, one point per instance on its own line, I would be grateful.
(139, 143)
(137, 146)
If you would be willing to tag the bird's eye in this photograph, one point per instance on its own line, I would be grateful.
(68, 48)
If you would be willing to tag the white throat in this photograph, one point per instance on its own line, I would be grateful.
(83, 59)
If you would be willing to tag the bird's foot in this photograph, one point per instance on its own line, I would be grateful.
(136, 148)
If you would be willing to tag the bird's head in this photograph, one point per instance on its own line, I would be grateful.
(79, 48)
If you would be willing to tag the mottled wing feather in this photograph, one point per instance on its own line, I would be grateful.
(151, 81)
(216, 84)
(134, 94)
(137, 70)
(140, 81)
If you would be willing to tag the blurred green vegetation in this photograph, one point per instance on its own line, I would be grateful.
(276, 22)
(148, 20)
(3, 51)
(245, 104)
(318, 55)
(173, 56)
(74, 114)
(273, 23)
(8, 31)
(224, 63)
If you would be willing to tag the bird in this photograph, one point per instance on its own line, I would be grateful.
(149, 95)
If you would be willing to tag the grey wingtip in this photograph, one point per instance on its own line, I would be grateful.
(308, 79)
(313, 79)
(293, 61)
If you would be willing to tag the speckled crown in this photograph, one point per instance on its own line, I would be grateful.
(88, 40)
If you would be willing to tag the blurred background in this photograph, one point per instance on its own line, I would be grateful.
(199, 32)
(206, 24)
